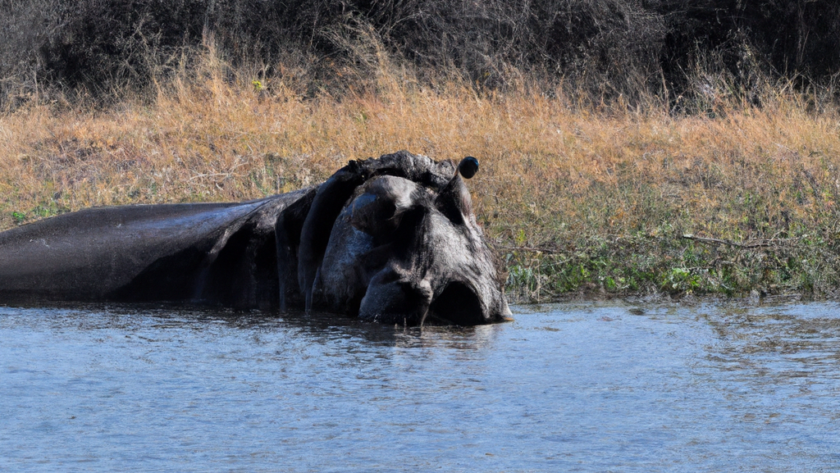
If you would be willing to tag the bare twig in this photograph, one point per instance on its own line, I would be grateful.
(757, 244)
(213, 174)
(526, 248)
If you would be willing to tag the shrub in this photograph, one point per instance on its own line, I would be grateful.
(607, 48)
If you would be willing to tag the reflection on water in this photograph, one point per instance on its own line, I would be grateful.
(571, 387)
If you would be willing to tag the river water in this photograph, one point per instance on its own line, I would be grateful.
(598, 386)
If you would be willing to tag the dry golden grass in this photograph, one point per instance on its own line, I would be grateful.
(552, 172)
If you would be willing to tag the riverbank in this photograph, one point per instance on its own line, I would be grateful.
(574, 196)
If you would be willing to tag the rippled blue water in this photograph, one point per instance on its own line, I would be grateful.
(570, 387)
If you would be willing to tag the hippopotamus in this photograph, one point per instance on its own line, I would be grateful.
(391, 240)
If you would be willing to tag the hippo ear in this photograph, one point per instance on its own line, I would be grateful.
(468, 167)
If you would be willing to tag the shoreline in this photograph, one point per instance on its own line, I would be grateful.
(632, 299)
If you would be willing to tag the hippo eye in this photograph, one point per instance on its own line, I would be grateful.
(387, 209)
(360, 203)
(374, 214)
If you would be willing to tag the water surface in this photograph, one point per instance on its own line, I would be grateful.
(569, 387)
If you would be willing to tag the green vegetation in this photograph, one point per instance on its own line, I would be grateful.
(672, 265)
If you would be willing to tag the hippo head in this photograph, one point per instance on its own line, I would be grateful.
(394, 240)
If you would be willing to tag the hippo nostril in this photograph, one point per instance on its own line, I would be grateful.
(456, 305)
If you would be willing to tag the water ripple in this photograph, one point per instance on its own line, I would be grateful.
(570, 387)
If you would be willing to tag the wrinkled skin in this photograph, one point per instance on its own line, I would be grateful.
(391, 240)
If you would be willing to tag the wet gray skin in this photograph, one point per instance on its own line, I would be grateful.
(402, 246)
(392, 240)
(399, 252)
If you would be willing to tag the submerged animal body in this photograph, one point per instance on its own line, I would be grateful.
(392, 239)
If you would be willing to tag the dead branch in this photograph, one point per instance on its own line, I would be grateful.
(526, 248)
(756, 244)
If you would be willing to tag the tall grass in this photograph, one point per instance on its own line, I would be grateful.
(575, 195)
